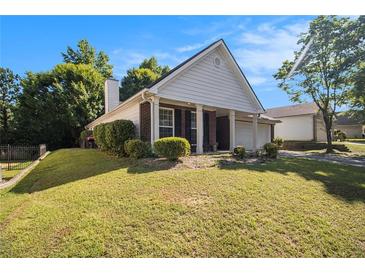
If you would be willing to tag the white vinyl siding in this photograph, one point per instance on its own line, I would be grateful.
(244, 134)
(295, 128)
(129, 112)
(211, 85)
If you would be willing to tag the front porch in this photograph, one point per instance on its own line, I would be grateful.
(206, 128)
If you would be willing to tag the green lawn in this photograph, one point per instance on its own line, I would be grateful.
(83, 203)
(8, 174)
(361, 141)
(354, 148)
(16, 167)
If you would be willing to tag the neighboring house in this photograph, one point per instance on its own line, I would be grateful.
(302, 122)
(352, 127)
(206, 99)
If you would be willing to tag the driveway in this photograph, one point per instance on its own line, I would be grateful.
(333, 158)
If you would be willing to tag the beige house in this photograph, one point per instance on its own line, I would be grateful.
(352, 127)
(206, 99)
(302, 122)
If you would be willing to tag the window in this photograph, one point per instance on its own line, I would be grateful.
(193, 127)
(166, 123)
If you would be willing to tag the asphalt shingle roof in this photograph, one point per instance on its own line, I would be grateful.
(293, 110)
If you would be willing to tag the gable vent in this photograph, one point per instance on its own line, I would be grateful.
(217, 61)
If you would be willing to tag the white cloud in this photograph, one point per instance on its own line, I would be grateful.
(190, 47)
(257, 80)
(123, 59)
(253, 38)
(261, 51)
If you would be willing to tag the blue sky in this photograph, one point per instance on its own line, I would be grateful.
(259, 43)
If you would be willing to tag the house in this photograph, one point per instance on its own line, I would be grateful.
(206, 99)
(352, 127)
(302, 122)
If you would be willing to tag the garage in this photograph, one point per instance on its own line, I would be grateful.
(244, 134)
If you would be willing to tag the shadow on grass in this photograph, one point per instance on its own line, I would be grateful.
(342, 181)
(69, 165)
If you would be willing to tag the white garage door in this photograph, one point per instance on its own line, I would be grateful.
(244, 134)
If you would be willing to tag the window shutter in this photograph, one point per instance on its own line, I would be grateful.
(188, 125)
(178, 122)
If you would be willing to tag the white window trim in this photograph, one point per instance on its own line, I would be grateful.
(173, 120)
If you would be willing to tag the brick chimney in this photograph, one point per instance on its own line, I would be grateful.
(111, 94)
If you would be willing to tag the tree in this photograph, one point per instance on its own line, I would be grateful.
(86, 54)
(324, 75)
(56, 105)
(138, 78)
(357, 94)
(9, 90)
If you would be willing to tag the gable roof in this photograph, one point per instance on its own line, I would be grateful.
(342, 118)
(293, 110)
(181, 64)
(195, 57)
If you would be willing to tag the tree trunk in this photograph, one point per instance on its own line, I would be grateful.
(328, 124)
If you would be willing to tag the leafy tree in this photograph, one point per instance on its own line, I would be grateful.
(86, 54)
(9, 90)
(324, 75)
(357, 94)
(138, 78)
(56, 105)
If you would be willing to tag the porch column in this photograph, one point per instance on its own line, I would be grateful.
(156, 118)
(232, 130)
(199, 129)
(254, 132)
(152, 126)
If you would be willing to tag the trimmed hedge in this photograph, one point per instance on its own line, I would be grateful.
(172, 147)
(99, 136)
(136, 149)
(271, 150)
(239, 152)
(112, 136)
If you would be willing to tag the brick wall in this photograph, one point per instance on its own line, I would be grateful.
(145, 123)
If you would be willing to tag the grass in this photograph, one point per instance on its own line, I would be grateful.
(83, 203)
(358, 140)
(16, 167)
(356, 148)
(8, 174)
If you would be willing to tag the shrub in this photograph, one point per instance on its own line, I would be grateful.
(278, 141)
(136, 149)
(99, 136)
(85, 133)
(112, 136)
(271, 150)
(172, 147)
(83, 137)
(340, 135)
(240, 152)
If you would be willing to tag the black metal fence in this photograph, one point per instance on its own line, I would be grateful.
(19, 157)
